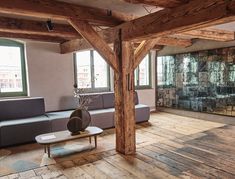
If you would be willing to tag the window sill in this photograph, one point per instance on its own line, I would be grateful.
(102, 90)
(143, 88)
(13, 95)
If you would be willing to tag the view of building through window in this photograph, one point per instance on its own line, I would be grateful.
(83, 69)
(92, 71)
(10, 70)
(100, 71)
(142, 73)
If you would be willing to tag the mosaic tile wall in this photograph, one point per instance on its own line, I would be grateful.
(200, 81)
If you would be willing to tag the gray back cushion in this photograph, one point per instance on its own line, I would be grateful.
(108, 99)
(96, 101)
(21, 108)
(136, 98)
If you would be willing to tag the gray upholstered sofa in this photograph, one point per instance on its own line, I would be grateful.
(23, 119)
(102, 112)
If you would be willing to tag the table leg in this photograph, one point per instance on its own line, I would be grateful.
(48, 151)
(95, 141)
(45, 148)
(90, 140)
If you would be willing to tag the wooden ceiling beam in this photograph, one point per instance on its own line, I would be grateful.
(171, 41)
(211, 34)
(156, 47)
(160, 3)
(81, 44)
(42, 38)
(57, 10)
(20, 26)
(23, 27)
(196, 14)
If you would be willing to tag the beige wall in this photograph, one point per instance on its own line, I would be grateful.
(51, 76)
(147, 96)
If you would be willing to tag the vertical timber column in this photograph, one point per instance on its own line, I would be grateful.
(124, 96)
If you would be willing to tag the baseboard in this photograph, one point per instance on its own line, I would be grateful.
(199, 115)
(152, 108)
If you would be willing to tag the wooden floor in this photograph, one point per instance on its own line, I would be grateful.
(169, 146)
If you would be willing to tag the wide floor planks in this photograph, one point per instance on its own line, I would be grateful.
(168, 146)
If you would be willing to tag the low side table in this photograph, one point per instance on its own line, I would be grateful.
(62, 136)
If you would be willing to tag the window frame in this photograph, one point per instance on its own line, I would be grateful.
(11, 43)
(92, 68)
(149, 86)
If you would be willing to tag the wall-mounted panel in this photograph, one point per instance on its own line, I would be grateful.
(200, 81)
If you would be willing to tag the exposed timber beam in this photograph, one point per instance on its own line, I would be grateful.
(20, 26)
(160, 3)
(67, 32)
(81, 44)
(171, 41)
(211, 34)
(43, 38)
(61, 11)
(193, 15)
(196, 14)
(92, 37)
(143, 49)
(124, 97)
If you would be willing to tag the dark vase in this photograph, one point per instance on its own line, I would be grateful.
(79, 121)
(74, 125)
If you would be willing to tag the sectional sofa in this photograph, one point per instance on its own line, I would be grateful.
(24, 118)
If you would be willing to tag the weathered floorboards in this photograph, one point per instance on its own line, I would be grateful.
(169, 146)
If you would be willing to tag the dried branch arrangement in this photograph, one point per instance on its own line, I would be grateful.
(83, 100)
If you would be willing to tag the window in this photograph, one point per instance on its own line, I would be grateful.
(12, 69)
(143, 73)
(91, 71)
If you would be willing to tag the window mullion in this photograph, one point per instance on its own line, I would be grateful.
(75, 70)
(138, 76)
(92, 70)
(108, 78)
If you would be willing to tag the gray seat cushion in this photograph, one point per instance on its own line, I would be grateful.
(59, 120)
(23, 130)
(21, 108)
(103, 118)
(142, 113)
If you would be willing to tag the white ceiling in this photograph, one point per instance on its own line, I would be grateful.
(116, 5)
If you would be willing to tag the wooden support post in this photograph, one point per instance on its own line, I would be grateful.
(124, 96)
